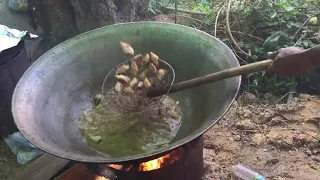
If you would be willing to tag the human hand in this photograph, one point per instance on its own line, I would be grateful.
(288, 62)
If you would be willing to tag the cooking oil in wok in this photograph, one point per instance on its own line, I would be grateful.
(119, 134)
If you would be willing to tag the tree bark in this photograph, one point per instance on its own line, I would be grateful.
(63, 19)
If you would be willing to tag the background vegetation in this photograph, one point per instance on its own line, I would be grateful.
(252, 28)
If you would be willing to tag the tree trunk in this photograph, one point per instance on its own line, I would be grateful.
(63, 19)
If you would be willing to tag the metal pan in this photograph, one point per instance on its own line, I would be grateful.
(59, 86)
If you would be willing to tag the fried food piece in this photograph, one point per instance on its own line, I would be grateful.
(118, 87)
(152, 69)
(146, 83)
(154, 59)
(161, 73)
(122, 69)
(146, 59)
(128, 90)
(134, 68)
(140, 84)
(139, 59)
(126, 48)
(133, 82)
(123, 78)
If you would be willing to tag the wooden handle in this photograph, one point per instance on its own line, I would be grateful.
(224, 74)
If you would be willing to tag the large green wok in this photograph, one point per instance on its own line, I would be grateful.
(59, 86)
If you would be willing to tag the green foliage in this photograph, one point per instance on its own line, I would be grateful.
(153, 6)
(203, 6)
(276, 23)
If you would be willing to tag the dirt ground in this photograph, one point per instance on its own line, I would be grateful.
(279, 141)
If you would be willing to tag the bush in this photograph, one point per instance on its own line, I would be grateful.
(259, 27)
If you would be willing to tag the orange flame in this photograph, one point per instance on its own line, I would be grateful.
(162, 161)
(116, 166)
(153, 164)
(101, 178)
(150, 165)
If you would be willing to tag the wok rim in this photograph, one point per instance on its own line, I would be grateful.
(109, 159)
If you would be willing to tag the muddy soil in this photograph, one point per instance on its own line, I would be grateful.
(280, 141)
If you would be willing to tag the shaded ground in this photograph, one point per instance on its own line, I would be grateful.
(8, 162)
(279, 141)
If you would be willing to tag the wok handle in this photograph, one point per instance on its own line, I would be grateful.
(224, 74)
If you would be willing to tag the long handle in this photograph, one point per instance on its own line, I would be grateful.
(224, 74)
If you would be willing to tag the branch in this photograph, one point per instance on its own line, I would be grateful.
(229, 30)
(183, 16)
(216, 22)
(300, 29)
(249, 35)
(303, 36)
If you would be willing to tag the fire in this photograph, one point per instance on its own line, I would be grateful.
(162, 161)
(101, 178)
(116, 166)
(120, 167)
(152, 165)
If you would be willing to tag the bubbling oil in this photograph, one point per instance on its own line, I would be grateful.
(124, 134)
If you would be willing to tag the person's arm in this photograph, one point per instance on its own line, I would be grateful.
(313, 55)
(293, 61)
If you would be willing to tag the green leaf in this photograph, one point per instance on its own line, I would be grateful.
(289, 8)
(158, 11)
(296, 24)
(305, 43)
(286, 35)
(273, 15)
(289, 25)
(195, 9)
(246, 30)
(151, 10)
(254, 57)
(312, 44)
(291, 43)
(274, 39)
(256, 49)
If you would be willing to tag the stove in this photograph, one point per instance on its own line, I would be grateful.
(182, 163)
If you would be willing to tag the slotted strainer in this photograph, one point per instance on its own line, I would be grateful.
(127, 86)
(143, 81)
